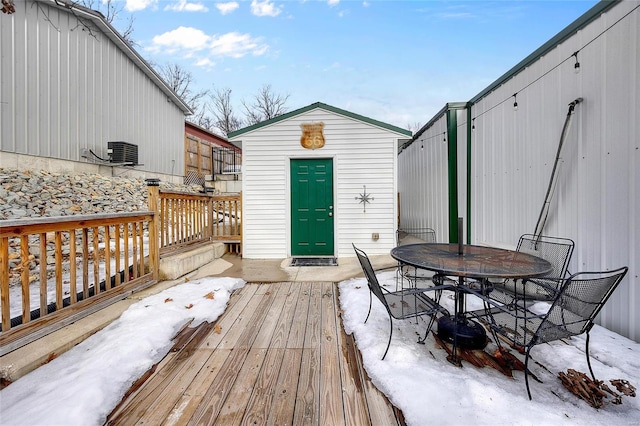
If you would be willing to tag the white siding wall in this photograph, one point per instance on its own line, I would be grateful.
(64, 88)
(423, 177)
(362, 154)
(597, 199)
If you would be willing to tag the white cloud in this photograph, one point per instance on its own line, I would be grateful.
(136, 5)
(205, 63)
(191, 42)
(179, 39)
(184, 6)
(333, 2)
(265, 8)
(226, 8)
(236, 45)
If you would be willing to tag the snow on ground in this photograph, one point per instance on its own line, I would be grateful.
(83, 385)
(429, 390)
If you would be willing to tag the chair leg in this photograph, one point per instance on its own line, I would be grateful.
(588, 358)
(432, 319)
(526, 372)
(426, 333)
(369, 312)
(390, 334)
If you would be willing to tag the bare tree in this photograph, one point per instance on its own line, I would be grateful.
(224, 118)
(266, 105)
(112, 11)
(414, 127)
(180, 81)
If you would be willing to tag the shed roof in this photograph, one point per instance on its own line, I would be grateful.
(326, 107)
(202, 133)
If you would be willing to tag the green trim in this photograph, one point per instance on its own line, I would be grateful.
(434, 120)
(452, 159)
(326, 107)
(469, 134)
(563, 35)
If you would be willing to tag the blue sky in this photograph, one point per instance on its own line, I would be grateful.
(393, 61)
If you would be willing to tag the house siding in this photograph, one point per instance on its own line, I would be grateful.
(64, 89)
(362, 153)
(424, 182)
(596, 200)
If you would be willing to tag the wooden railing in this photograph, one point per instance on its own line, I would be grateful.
(185, 219)
(54, 271)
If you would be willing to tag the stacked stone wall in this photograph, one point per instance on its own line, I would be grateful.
(39, 193)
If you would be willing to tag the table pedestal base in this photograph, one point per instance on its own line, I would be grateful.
(468, 334)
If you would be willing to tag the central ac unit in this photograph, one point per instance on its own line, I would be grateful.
(122, 152)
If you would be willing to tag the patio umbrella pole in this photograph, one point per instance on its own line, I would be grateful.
(542, 218)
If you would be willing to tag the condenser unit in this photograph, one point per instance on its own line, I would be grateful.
(122, 152)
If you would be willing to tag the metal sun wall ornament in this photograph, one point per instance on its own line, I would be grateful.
(312, 137)
(364, 198)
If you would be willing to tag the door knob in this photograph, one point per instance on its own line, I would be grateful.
(330, 214)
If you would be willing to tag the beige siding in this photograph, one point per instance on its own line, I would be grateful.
(363, 154)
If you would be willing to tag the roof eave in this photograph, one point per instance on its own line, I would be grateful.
(326, 107)
(98, 19)
(563, 35)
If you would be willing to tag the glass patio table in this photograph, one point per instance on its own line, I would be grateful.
(463, 262)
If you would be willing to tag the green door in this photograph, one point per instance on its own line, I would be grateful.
(312, 207)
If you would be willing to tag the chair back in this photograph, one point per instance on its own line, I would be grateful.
(415, 236)
(578, 303)
(370, 275)
(554, 250)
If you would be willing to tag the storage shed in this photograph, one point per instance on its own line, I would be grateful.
(316, 180)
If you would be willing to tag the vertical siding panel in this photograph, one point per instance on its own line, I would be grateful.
(596, 198)
(423, 182)
(7, 86)
(21, 93)
(66, 87)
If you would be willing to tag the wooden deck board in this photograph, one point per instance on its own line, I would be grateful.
(307, 409)
(284, 394)
(277, 356)
(331, 407)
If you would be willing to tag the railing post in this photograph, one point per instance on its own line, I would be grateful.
(210, 217)
(153, 201)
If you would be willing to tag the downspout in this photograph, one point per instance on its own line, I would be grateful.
(452, 159)
(544, 212)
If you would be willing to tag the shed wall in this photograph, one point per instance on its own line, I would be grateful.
(64, 89)
(423, 182)
(596, 201)
(363, 154)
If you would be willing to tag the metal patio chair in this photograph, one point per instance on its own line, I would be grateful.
(572, 312)
(401, 304)
(407, 273)
(556, 251)
(415, 235)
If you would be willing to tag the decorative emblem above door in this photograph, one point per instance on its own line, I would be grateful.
(312, 137)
